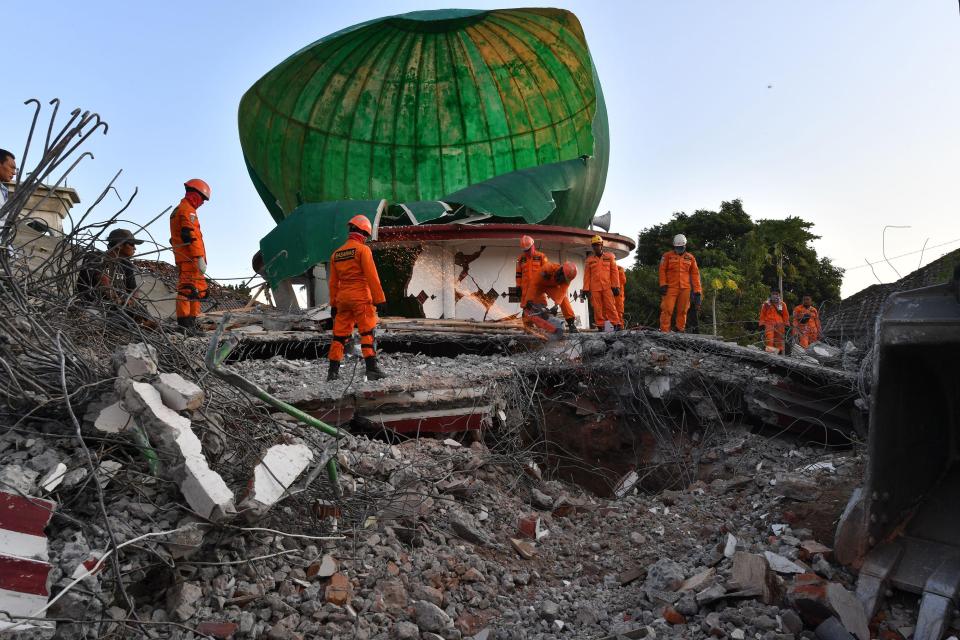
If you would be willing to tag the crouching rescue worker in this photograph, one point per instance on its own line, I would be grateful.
(529, 264)
(601, 283)
(355, 292)
(554, 281)
(679, 274)
(774, 319)
(189, 253)
(806, 322)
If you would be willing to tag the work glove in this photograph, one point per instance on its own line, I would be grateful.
(202, 265)
(381, 308)
(333, 312)
(663, 290)
(616, 292)
(697, 299)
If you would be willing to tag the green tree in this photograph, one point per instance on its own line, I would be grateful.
(743, 256)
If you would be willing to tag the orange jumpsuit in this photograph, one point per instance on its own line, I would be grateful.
(774, 318)
(187, 242)
(623, 293)
(547, 285)
(354, 290)
(528, 272)
(807, 332)
(600, 275)
(678, 273)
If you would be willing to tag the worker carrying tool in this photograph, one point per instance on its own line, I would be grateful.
(189, 253)
(554, 281)
(529, 264)
(806, 322)
(679, 274)
(601, 284)
(355, 295)
(622, 298)
(774, 319)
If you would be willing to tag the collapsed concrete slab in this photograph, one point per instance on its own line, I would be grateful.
(203, 488)
(113, 418)
(279, 468)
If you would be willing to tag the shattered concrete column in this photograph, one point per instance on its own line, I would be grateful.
(135, 360)
(204, 489)
(280, 467)
(285, 297)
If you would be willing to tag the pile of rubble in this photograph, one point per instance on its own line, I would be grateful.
(169, 521)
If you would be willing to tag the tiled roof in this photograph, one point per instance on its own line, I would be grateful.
(854, 318)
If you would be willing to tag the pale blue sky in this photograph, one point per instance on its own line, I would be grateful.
(860, 129)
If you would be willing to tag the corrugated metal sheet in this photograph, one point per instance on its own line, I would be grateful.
(499, 110)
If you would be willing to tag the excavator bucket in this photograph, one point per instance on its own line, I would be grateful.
(902, 528)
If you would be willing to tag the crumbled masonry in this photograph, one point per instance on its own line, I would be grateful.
(510, 527)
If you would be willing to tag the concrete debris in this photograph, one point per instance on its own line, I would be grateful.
(281, 465)
(179, 393)
(54, 478)
(135, 361)
(204, 490)
(19, 479)
(113, 418)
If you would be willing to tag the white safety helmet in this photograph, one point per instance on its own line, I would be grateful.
(679, 240)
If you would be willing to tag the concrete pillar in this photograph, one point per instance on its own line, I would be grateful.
(49, 205)
(318, 289)
(285, 297)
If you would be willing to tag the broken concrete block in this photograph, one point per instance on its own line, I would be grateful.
(430, 617)
(664, 575)
(281, 465)
(54, 477)
(466, 526)
(113, 419)
(324, 569)
(657, 386)
(751, 571)
(180, 600)
(187, 541)
(106, 470)
(782, 565)
(698, 581)
(203, 488)
(525, 549)
(178, 393)
(133, 360)
(19, 479)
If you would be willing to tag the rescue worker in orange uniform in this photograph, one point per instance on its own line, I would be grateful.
(189, 253)
(806, 322)
(601, 283)
(529, 264)
(774, 319)
(355, 294)
(554, 281)
(679, 274)
(622, 298)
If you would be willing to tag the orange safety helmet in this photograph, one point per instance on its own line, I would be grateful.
(362, 223)
(569, 271)
(199, 186)
(526, 243)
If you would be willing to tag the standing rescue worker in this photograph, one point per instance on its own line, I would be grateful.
(622, 298)
(189, 253)
(774, 319)
(529, 264)
(806, 322)
(601, 283)
(679, 274)
(554, 281)
(355, 292)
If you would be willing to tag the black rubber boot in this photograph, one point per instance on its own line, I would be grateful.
(374, 372)
(333, 373)
(189, 326)
(572, 326)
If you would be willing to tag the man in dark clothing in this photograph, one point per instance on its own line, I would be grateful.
(110, 276)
